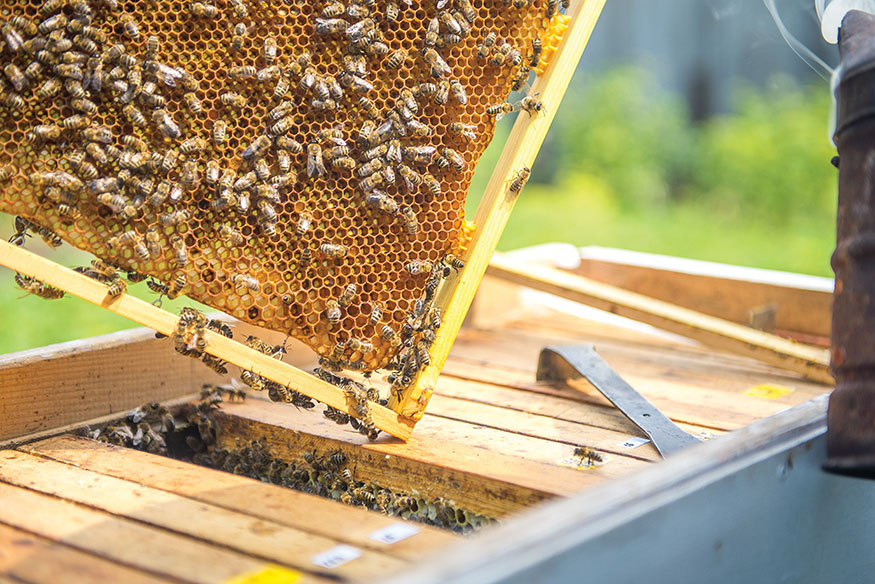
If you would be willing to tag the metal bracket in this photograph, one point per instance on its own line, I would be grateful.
(561, 363)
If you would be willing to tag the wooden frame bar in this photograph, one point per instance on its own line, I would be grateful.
(142, 312)
(519, 152)
(812, 362)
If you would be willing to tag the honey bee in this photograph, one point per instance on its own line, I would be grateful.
(220, 132)
(46, 133)
(282, 88)
(189, 177)
(459, 91)
(51, 23)
(420, 129)
(267, 73)
(245, 182)
(455, 158)
(359, 345)
(326, 26)
(439, 67)
(412, 179)
(333, 10)
(174, 218)
(193, 145)
(519, 180)
(165, 124)
(38, 288)
(299, 65)
(332, 312)
(453, 262)
(240, 10)
(262, 171)
(98, 134)
(486, 46)
(369, 108)
(97, 153)
(68, 212)
(7, 171)
(315, 165)
(130, 27)
(23, 24)
(117, 288)
(76, 122)
(306, 258)
(467, 131)
(284, 125)
(333, 250)
(242, 72)
(15, 76)
(530, 104)
(194, 104)
(180, 250)
(305, 220)
(11, 99)
(416, 267)
(347, 295)
(521, 78)
(211, 173)
(396, 59)
(231, 235)
(269, 50)
(239, 36)
(34, 70)
(256, 149)
(177, 285)
(368, 184)
(49, 88)
(588, 456)
(243, 281)
(203, 10)
(410, 221)
(499, 110)
(233, 99)
(431, 33)
(434, 185)
(390, 335)
(502, 54)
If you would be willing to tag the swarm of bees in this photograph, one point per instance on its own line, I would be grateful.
(336, 161)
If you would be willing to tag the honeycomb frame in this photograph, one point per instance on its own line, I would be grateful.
(207, 246)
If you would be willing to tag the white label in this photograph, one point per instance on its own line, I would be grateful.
(336, 556)
(633, 442)
(394, 533)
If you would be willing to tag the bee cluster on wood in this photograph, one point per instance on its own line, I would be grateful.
(302, 167)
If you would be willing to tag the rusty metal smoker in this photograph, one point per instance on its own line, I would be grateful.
(851, 418)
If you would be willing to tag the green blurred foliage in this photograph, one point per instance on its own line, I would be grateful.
(623, 167)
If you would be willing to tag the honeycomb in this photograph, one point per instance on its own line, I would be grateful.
(115, 143)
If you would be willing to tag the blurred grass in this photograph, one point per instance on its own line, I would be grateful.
(622, 167)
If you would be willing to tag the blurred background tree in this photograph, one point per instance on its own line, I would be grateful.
(690, 129)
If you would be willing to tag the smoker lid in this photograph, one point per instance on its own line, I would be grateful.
(857, 43)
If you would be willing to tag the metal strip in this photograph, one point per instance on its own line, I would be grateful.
(560, 363)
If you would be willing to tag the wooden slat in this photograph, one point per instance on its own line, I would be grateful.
(806, 360)
(483, 469)
(286, 506)
(804, 310)
(120, 540)
(261, 538)
(36, 560)
(519, 151)
(71, 382)
(142, 312)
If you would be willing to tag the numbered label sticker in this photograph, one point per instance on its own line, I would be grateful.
(394, 533)
(270, 574)
(768, 391)
(336, 556)
(633, 442)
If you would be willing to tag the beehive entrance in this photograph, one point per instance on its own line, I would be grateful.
(236, 240)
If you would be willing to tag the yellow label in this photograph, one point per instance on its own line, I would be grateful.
(270, 574)
(768, 391)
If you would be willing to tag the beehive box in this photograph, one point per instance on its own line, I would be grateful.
(493, 443)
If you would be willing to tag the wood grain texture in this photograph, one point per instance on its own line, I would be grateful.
(800, 310)
(259, 538)
(288, 507)
(122, 541)
(76, 381)
(36, 560)
(811, 362)
(142, 312)
(492, 214)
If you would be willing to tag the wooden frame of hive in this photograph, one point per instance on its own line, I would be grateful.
(454, 297)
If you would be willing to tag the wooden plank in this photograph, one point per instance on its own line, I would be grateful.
(120, 540)
(36, 560)
(142, 312)
(560, 405)
(809, 361)
(482, 469)
(72, 382)
(538, 426)
(492, 215)
(257, 499)
(727, 292)
(260, 538)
